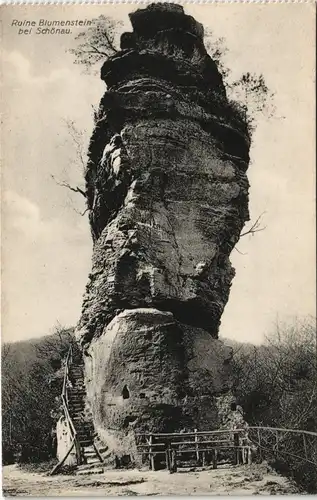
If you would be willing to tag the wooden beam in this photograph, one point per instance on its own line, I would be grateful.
(59, 465)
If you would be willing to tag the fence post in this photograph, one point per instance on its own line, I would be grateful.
(151, 457)
(78, 452)
(236, 447)
(196, 446)
(305, 446)
(249, 460)
(214, 458)
(167, 458)
(260, 448)
(173, 461)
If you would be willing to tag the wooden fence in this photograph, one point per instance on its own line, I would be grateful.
(202, 447)
(291, 444)
(237, 446)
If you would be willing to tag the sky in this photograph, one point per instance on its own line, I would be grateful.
(46, 243)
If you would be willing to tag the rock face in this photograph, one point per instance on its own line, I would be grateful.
(167, 196)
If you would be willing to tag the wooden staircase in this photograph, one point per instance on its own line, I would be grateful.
(82, 422)
(91, 453)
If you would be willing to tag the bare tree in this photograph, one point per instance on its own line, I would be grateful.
(77, 139)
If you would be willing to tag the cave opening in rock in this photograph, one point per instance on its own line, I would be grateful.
(130, 419)
(125, 392)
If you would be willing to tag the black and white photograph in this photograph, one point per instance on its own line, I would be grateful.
(158, 187)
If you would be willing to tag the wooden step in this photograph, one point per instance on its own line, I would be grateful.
(89, 449)
(81, 420)
(102, 449)
(84, 435)
(93, 460)
(94, 470)
(90, 454)
(85, 442)
(84, 429)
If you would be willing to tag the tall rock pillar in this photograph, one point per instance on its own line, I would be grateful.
(167, 197)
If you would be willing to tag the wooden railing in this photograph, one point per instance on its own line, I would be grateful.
(204, 447)
(64, 397)
(296, 444)
(233, 445)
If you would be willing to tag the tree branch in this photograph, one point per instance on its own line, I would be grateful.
(68, 186)
(81, 213)
(255, 228)
(109, 42)
(96, 50)
(239, 251)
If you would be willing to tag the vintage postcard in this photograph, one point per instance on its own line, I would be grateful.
(158, 249)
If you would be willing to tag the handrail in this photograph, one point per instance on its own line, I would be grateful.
(68, 358)
(64, 397)
(281, 429)
(64, 392)
(223, 431)
(181, 434)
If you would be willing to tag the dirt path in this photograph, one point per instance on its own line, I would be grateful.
(246, 480)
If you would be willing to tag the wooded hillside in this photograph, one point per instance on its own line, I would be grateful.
(276, 385)
(28, 395)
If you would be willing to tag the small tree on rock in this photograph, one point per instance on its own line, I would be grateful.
(97, 43)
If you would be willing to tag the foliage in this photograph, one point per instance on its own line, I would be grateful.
(27, 398)
(217, 50)
(249, 96)
(276, 384)
(97, 43)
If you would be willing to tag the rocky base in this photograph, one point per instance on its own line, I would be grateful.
(148, 372)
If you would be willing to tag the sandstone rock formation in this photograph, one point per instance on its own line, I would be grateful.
(167, 196)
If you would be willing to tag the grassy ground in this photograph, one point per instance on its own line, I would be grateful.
(240, 480)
